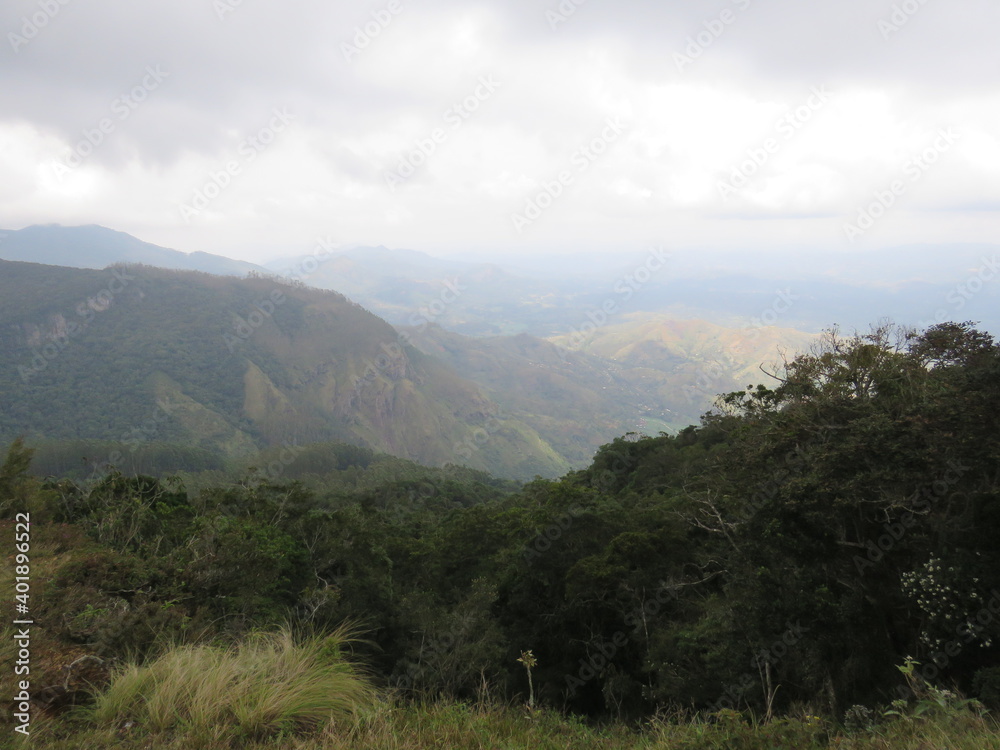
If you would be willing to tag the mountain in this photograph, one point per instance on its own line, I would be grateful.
(574, 401)
(97, 247)
(681, 365)
(242, 370)
(646, 374)
(231, 365)
(407, 287)
(914, 285)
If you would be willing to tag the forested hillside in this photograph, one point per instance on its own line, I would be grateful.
(186, 370)
(229, 366)
(795, 549)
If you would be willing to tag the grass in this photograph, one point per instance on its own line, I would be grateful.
(414, 726)
(272, 691)
(267, 685)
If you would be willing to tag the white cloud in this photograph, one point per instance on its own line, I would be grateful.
(685, 130)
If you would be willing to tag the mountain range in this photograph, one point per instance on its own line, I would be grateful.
(489, 367)
(97, 247)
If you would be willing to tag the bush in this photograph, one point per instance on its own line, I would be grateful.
(267, 684)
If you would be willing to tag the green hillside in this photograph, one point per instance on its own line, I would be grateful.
(646, 374)
(575, 401)
(139, 355)
(215, 369)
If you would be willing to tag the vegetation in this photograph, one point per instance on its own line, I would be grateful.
(176, 368)
(167, 371)
(813, 566)
(267, 684)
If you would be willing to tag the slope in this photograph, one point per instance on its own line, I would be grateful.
(232, 365)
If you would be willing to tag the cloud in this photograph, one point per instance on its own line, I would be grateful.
(700, 88)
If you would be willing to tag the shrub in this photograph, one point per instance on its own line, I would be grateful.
(266, 684)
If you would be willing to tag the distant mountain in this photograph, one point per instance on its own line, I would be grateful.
(234, 365)
(916, 286)
(98, 247)
(574, 401)
(519, 375)
(645, 374)
(682, 365)
(407, 287)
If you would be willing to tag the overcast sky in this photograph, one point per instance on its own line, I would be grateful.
(443, 126)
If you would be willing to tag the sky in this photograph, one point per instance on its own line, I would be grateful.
(253, 129)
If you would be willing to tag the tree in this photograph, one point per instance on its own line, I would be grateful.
(871, 456)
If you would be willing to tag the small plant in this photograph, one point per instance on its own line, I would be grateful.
(931, 700)
(529, 661)
(859, 719)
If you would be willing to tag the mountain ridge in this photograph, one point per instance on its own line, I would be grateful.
(96, 247)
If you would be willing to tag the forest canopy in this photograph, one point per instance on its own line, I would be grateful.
(797, 547)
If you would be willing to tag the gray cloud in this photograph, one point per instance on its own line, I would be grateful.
(356, 118)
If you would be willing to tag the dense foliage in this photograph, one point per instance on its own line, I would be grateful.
(177, 368)
(794, 549)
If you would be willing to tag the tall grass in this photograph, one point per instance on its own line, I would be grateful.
(393, 725)
(268, 683)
